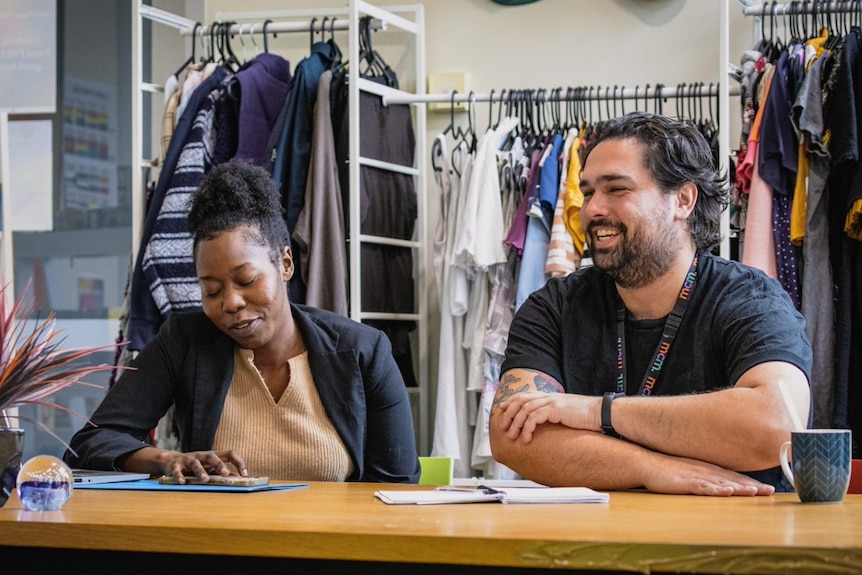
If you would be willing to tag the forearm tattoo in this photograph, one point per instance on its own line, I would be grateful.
(547, 384)
(509, 386)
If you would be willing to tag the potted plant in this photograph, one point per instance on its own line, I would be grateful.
(32, 368)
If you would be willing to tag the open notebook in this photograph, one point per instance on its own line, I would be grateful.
(484, 494)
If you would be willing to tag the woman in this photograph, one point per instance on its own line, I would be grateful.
(261, 386)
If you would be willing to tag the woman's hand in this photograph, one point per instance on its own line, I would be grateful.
(179, 465)
(201, 464)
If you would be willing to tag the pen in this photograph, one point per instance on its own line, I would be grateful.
(478, 489)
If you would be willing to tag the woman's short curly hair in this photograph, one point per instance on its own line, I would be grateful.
(675, 153)
(236, 194)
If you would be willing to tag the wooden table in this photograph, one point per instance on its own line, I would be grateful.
(328, 527)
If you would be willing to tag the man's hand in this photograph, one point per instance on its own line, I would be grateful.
(521, 413)
(683, 476)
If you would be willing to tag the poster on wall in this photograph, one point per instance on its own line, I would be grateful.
(89, 145)
(28, 56)
(31, 174)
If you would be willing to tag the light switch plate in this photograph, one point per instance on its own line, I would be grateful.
(444, 83)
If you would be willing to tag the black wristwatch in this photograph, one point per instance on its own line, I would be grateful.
(607, 400)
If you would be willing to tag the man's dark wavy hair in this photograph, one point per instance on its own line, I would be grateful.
(236, 194)
(675, 153)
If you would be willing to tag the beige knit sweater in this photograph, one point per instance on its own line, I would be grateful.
(291, 440)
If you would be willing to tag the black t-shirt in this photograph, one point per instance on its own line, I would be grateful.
(737, 317)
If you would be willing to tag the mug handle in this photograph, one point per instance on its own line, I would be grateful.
(785, 465)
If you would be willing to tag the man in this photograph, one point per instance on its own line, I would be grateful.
(662, 366)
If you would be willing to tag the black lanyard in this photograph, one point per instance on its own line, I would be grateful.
(662, 351)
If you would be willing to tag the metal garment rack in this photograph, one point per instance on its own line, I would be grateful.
(278, 21)
(824, 7)
(585, 93)
(722, 91)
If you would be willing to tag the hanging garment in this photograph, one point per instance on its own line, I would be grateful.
(388, 208)
(320, 230)
(451, 420)
(288, 149)
(562, 259)
(517, 234)
(759, 245)
(574, 199)
(777, 165)
(817, 291)
(532, 274)
(843, 103)
(168, 264)
(289, 146)
(260, 88)
(144, 315)
(478, 245)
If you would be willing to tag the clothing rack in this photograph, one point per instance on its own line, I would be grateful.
(307, 21)
(822, 8)
(577, 94)
(768, 9)
(188, 27)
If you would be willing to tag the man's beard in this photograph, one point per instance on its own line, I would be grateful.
(638, 259)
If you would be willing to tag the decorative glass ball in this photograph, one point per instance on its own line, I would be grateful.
(44, 483)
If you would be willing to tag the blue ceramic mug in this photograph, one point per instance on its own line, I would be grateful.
(821, 464)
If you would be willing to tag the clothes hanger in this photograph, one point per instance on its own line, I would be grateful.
(658, 102)
(217, 43)
(541, 120)
(686, 93)
(568, 122)
(311, 35)
(231, 58)
(201, 39)
(336, 51)
(191, 59)
(611, 99)
(500, 107)
(211, 55)
(556, 109)
(579, 106)
(266, 23)
(323, 28)
(491, 109)
(242, 43)
(375, 65)
(436, 155)
(471, 129)
(221, 43)
(253, 41)
(450, 129)
(456, 133)
(622, 100)
(689, 100)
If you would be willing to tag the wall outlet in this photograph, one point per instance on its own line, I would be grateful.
(444, 83)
